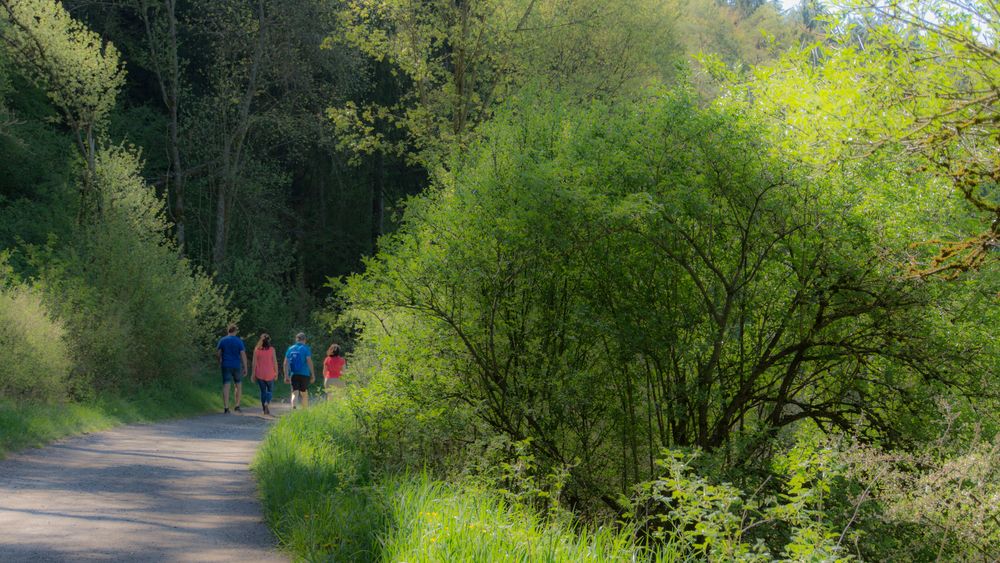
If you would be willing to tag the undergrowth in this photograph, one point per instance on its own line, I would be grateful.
(326, 502)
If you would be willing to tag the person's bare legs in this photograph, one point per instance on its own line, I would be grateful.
(225, 396)
(295, 395)
(239, 393)
(331, 386)
(305, 398)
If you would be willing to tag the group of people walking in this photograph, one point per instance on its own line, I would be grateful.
(298, 368)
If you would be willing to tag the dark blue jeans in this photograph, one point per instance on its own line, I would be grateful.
(266, 390)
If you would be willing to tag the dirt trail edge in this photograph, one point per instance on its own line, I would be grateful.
(175, 491)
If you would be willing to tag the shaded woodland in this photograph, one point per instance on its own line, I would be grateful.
(720, 275)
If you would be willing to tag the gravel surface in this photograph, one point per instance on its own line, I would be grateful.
(176, 491)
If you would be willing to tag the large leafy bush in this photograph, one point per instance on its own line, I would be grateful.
(615, 280)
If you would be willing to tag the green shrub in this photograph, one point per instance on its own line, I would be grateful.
(832, 500)
(35, 360)
(134, 309)
(612, 280)
(406, 421)
(936, 503)
(789, 517)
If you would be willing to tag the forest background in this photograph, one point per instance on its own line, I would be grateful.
(723, 272)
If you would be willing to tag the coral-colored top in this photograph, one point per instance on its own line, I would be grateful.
(332, 366)
(263, 364)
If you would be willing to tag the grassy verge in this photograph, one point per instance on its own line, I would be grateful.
(32, 424)
(325, 503)
(435, 521)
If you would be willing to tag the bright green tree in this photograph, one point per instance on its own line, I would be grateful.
(80, 72)
(458, 59)
(913, 84)
(612, 281)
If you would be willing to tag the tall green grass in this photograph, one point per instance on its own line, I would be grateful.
(325, 502)
(317, 488)
(26, 424)
(434, 521)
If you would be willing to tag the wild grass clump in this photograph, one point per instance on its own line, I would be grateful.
(325, 502)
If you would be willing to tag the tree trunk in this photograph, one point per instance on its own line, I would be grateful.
(173, 103)
(378, 203)
(90, 204)
(169, 82)
(221, 220)
(233, 148)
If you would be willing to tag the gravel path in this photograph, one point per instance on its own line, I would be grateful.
(176, 491)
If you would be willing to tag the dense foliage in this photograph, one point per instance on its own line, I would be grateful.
(637, 279)
(96, 295)
(29, 331)
(604, 283)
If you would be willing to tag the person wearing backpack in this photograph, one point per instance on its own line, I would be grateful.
(299, 370)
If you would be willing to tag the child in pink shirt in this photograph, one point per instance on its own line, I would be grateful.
(333, 366)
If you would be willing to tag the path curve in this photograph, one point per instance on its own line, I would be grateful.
(174, 491)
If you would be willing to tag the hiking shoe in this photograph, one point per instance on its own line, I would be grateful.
(267, 410)
(225, 411)
(237, 409)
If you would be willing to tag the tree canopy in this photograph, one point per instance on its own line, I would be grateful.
(720, 276)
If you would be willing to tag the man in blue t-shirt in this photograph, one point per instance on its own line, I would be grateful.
(299, 369)
(233, 361)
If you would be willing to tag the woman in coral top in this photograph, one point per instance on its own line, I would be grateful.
(265, 370)
(333, 365)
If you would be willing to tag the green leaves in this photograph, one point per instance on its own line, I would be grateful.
(458, 61)
(907, 88)
(28, 330)
(611, 280)
(81, 73)
(703, 520)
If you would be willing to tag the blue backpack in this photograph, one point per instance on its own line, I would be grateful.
(297, 360)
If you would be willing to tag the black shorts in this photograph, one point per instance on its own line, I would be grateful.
(300, 383)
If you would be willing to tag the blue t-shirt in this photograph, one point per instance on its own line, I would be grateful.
(296, 356)
(231, 347)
